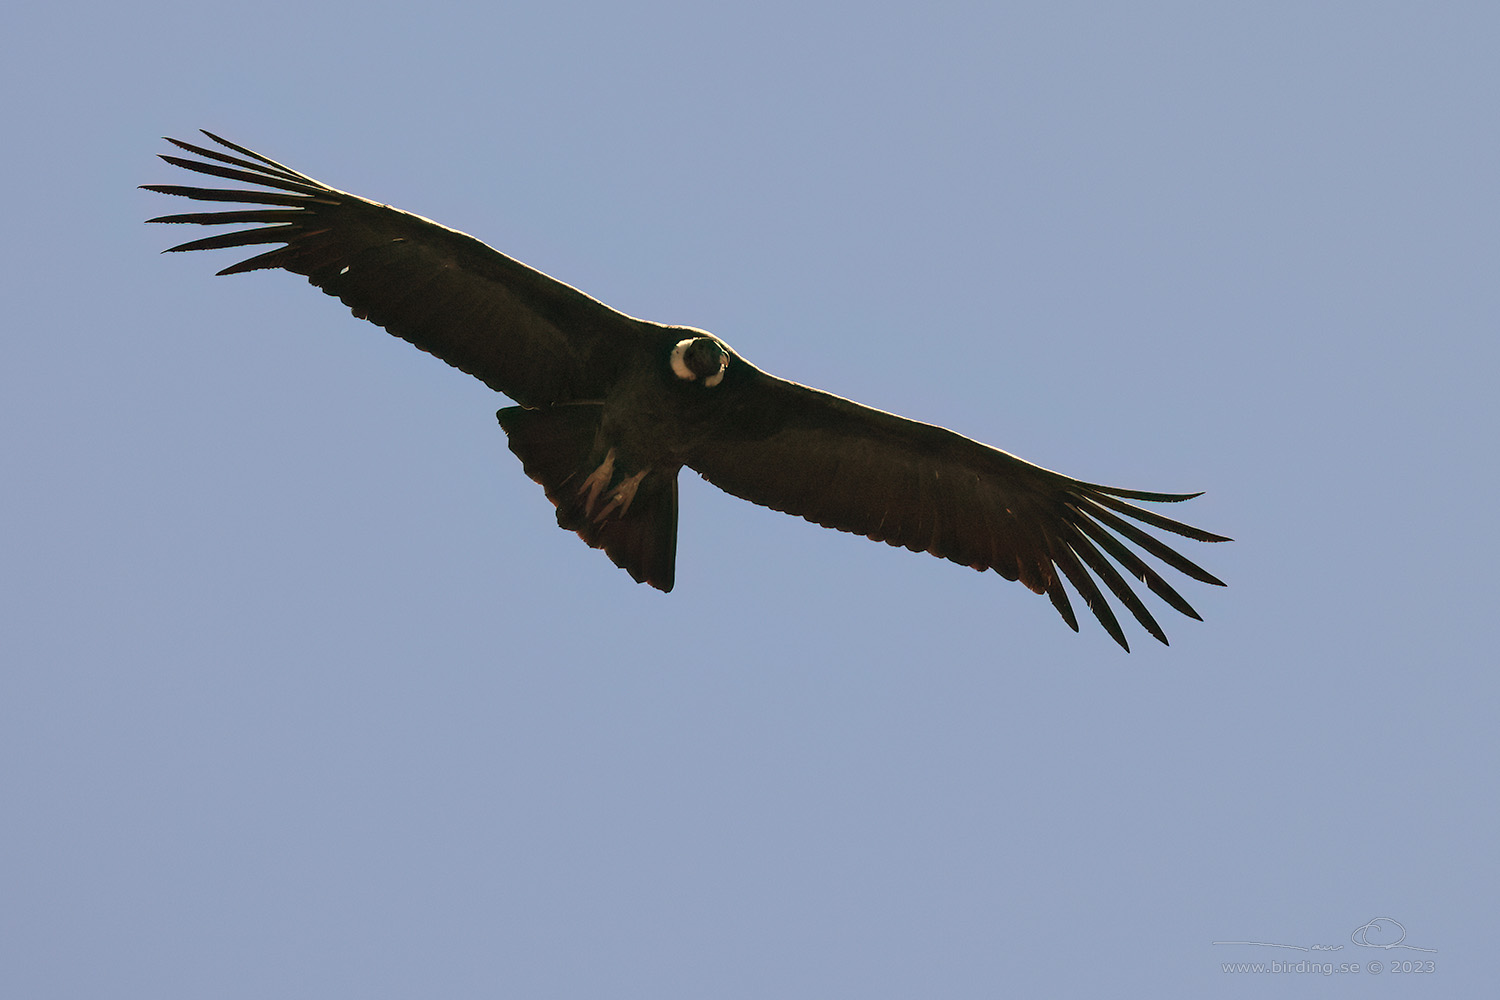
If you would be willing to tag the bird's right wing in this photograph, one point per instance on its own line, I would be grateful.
(851, 467)
(525, 334)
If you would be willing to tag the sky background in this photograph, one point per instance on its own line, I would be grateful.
(305, 695)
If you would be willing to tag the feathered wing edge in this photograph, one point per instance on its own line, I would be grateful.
(1090, 535)
(282, 224)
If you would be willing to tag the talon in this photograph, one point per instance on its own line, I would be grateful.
(596, 481)
(622, 497)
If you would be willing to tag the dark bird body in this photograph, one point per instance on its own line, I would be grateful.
(611, 408)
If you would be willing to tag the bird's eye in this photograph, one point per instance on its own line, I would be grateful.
(700, 358)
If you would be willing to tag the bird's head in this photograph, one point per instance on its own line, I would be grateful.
(701, 358)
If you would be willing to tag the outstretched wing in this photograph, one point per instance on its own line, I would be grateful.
(532, 337)
(858, 469)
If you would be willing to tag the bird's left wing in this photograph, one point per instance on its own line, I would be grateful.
(862, 470)
(525, 334)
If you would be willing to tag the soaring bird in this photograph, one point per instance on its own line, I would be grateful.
(610, 408)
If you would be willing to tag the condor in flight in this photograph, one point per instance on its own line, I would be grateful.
(612, 407)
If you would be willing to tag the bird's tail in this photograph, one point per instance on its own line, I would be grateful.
(629, 513)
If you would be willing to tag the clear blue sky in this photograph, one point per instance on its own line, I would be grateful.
(304, 694)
